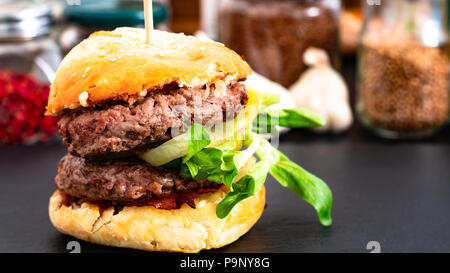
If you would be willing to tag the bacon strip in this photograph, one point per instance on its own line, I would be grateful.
(172, 201)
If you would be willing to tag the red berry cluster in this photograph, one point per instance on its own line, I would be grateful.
(22, 107)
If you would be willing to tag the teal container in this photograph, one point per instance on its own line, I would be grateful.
(109, 14)
(95, 15)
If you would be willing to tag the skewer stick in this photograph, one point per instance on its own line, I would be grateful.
(148, 12)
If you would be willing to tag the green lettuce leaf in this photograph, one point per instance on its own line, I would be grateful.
(306, 185)
(245, 187)
(309, 187)
(198, 138)
(219, 164)
(292, 118)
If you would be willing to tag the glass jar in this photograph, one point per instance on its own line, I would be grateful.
(28, 62)
(272, 35)
(403, 78)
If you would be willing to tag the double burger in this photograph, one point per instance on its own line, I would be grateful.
(161, 144)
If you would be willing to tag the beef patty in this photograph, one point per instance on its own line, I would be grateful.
(162, 114)
(121, 181)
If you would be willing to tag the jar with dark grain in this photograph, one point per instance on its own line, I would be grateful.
(404, 68)
(272, 35)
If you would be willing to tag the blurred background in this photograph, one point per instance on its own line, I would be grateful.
(383, 65)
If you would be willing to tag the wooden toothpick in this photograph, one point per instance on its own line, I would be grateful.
(148, 12)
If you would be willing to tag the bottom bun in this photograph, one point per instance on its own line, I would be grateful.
(148, 228)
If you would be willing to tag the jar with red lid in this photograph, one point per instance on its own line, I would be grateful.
(29, 58)
(272, 35)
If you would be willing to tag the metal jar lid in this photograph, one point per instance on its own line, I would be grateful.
(24, 20)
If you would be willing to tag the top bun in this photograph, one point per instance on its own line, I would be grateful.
(114, 65)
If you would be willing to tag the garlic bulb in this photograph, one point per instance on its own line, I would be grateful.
(322, 89)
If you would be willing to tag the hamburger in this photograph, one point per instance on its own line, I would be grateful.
(164, 144)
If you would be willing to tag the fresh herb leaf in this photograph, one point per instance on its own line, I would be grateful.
(292, 118)
(309, 187)
(245, 187)
(193, 168)
(227, 204)
(198, 138)
(220, 164)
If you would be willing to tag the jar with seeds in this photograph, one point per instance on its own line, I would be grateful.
(272, 35)
(403, 68)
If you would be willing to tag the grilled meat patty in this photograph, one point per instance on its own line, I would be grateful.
(162, 114)
(121, 181)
